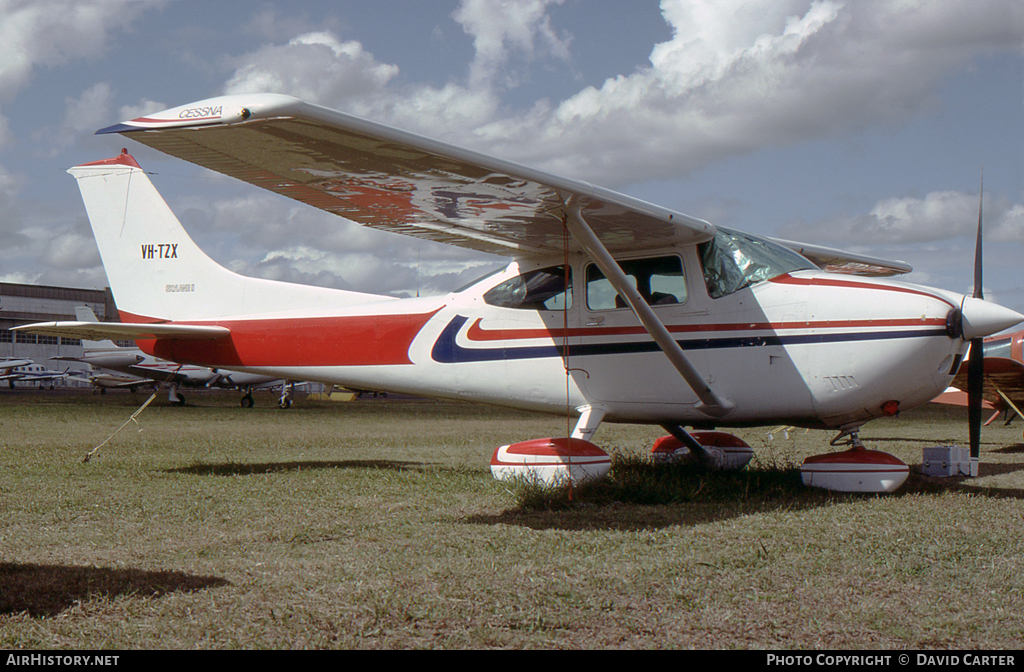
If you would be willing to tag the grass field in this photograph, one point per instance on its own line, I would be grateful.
(377, 524)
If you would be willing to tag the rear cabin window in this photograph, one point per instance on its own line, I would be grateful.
(659, 280)
(734, 260)
(543, 289)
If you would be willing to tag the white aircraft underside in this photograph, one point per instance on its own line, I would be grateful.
(668, 319)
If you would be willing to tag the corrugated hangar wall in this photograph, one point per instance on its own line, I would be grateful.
(23, 304)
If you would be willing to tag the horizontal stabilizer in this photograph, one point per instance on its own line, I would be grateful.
(98, 331)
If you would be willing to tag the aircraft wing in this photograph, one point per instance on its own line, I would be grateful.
(389, 179)
(838, 261)
(112, 381)
(397, 181)
(168, 372)
(99, 331)
(129, 384)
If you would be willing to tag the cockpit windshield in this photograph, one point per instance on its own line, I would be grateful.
(734, 260)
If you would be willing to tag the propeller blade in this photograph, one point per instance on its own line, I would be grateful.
(976, 357)
(978, 293)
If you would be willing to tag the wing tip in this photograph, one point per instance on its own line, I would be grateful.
(117, 128)
(227, 109)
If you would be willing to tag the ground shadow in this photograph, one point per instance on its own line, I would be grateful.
(998, 469)
(640, 495)
(868, 441)
(630, 517)
(46, 590)
(784, 492)
(247, 469)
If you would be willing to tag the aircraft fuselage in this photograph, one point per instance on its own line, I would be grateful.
(806, 348)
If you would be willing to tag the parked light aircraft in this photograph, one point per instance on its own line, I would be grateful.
(612, 309)
(8, 364)
(109, 380)
(28, 371)
(106, 354)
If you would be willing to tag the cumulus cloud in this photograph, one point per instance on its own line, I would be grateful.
(366, 271)
(742, 75)
(52, 32)
(321, 68)
(140, 109)
(501, 28)
(940, 215)
(11, 237)
(317, 67)
(735, 77)
(63, 254)
(82, 115)
(37, 34)
(262, 235)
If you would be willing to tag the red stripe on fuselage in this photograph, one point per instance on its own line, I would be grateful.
(787, 279)
(357, 340)
(479, 334)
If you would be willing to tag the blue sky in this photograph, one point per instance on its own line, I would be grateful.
(862, 125)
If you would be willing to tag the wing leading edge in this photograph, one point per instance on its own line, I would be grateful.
(839, 261)
(99, 331)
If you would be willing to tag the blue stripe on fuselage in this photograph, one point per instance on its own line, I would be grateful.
(447, 350)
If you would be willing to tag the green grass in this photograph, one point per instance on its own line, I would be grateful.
(377, 524)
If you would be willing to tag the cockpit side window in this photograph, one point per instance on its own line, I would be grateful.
(659, 280)
(542, 289)
(734, 260)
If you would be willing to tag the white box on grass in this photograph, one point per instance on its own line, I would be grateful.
(946, 461)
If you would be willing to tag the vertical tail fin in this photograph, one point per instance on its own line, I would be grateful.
(156, 271)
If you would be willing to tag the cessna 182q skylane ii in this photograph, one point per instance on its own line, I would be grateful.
(612, 309)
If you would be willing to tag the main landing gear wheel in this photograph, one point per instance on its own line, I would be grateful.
(858, 469)
(717, 450)
(247, 401)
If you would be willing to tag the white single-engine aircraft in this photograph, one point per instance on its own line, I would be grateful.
(612, 309)
(105, 354)
(28, 371)
(8, 364)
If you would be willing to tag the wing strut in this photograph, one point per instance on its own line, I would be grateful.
(712, 404)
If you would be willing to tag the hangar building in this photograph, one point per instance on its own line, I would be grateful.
(23, 304)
